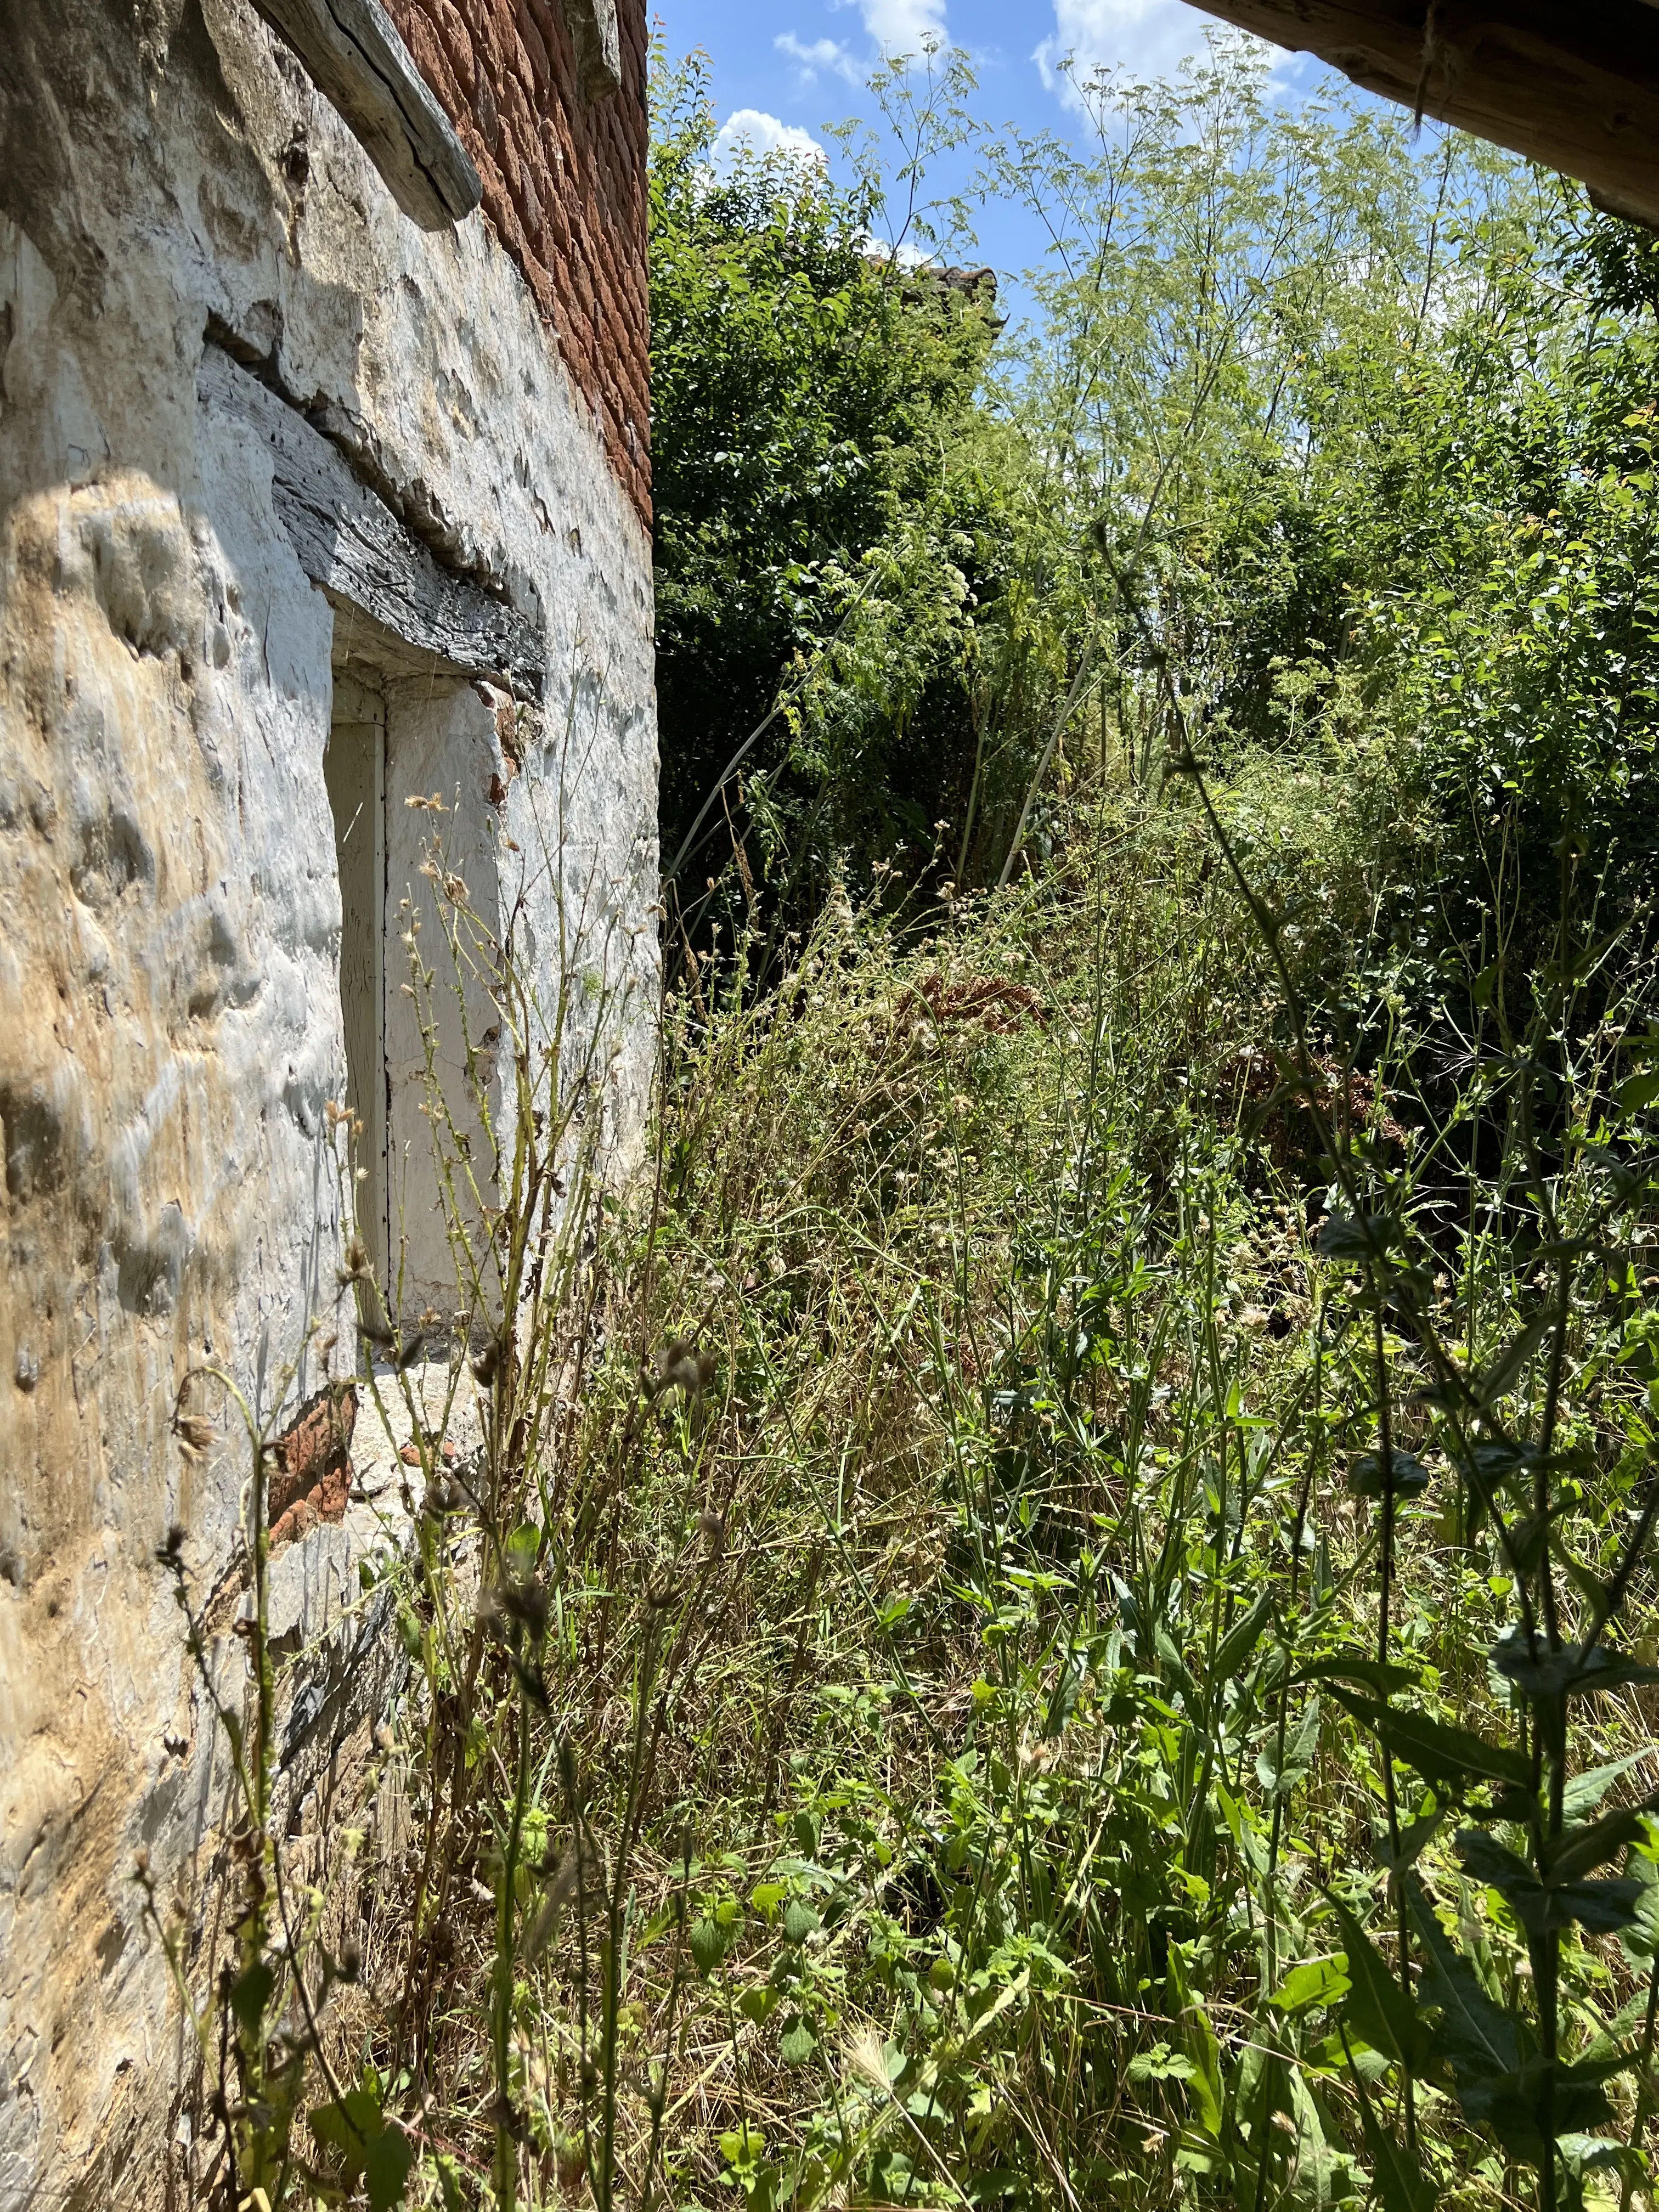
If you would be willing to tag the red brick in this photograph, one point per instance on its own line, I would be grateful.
(564, 189)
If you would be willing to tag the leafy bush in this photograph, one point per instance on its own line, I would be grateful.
(830, 511)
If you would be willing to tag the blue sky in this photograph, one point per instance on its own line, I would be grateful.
(784, 68)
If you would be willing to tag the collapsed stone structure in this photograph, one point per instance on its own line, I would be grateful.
(324, 486)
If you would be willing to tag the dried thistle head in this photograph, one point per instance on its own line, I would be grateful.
(356, 1266)
(681, 1366)
(195, 1433)
(487, 1360)
(514, 1602)
(525, 1599)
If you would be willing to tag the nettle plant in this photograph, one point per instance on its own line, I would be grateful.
(1548, 1246)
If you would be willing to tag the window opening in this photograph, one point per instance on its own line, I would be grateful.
(353, 768)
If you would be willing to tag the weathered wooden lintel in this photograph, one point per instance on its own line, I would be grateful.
(1572, 83)
(356, 59)
(350, 544)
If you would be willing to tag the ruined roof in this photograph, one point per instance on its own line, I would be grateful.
(1573, 83)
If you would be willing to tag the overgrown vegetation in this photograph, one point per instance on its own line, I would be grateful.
(1058, 1609)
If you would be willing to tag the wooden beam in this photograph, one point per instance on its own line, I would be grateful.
(1572, 83)
(350, 543)
(355, 57)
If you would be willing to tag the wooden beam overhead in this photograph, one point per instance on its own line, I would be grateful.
(355, 58)
(1572, 83)
(355, 549)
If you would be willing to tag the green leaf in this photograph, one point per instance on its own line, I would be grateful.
(1500, 1375)
(1476, 2038)
(1377, 2005)
(1160, 2063)
(1317, 1981)
(1539, 1905)
(800, 1921)
(1538, 1672)
(250, 1993)
(742, 2146)
(1343, 1238)
(707, 1941)
(1414, 1840)
(1411, 1477)
(524, 1548)
(1241, 1639)
(1299, 1751)
(385, 2169)
(798, 2042)
(1439, 1753)
(1402, 2183)
(348, 2128)
(1062, 1702)
(1579, 1849)
(1383, 1678)
(1639, 1092)
(449, 2182)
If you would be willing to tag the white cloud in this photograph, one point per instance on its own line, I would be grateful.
(752, 131)
(1147, 37)
(903, 27)
(823, 57)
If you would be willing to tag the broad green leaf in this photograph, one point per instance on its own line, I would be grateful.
(1160, 2063)
(800, 1921)
(348, 2129)
(250, 1993)
(1538, 1672)
(708, 1941)
(1475, 2038)
(1316, 1982)
(1402, 2183)
(1579, 1849)
(1539, 1905)
(1366, 1475)
(1639, 1092)
(1241, 1639)
(742, 2146)
(1376, 2004)
(1345, 1238)
(1439, 1752)
(1381, 1678)
(385, 2169)
(523, 1547)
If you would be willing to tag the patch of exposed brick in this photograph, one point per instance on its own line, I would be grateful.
(309, 1479)
(564, 189)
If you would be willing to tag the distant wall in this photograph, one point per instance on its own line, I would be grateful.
(197, 259)
(564, 185)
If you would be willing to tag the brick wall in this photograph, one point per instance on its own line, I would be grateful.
(564, 188)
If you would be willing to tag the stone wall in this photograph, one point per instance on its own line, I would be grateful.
(179, 210)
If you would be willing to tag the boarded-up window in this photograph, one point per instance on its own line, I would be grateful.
(354, 769)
